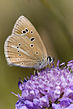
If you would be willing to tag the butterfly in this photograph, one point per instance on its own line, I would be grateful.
(24, 46)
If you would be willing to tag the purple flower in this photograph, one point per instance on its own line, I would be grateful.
(49, 89)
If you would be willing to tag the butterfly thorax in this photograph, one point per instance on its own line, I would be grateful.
(44, 62)
(41, 64)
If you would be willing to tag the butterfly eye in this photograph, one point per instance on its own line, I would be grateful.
(32, 39)
(50, 59)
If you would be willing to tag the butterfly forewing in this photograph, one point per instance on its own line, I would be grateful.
(24, 47)
(24, 27)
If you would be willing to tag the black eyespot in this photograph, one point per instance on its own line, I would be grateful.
(24, 31)
(19, 44)
(32, 39)
(18, 51)
(31, 31)
(17, 47)
(22, 63)
(36, 53)
(31, 45)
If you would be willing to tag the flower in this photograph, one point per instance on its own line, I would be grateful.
(51, 88)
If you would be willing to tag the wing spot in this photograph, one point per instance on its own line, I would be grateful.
(31, 31)
(32, 39)
(18, 51)
(36, 53)
(17, 47)
(31, 45)
(26, 30)
(19, 44)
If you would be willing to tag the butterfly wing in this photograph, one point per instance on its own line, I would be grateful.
(24, 47)
(18, 51)
(24, 27)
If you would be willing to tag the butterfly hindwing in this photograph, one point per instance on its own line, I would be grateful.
(19, 52)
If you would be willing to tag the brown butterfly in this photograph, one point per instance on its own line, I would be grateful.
(24, 46)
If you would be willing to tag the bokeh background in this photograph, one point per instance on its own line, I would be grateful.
(53, 19)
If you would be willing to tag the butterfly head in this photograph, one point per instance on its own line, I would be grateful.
(50, 60)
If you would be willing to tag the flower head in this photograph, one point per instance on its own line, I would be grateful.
(50, 89)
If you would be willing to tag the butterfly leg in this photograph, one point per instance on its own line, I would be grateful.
(36, 72)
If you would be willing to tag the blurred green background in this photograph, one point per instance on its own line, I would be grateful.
(53, 19)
